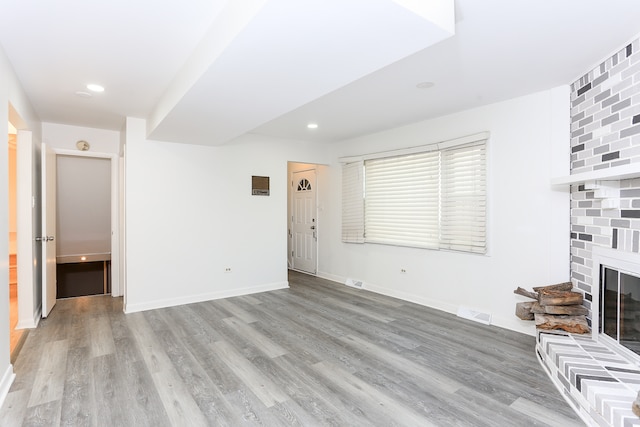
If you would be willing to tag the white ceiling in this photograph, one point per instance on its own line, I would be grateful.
(207, 71)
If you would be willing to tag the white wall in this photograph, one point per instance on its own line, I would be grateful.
(190, 214)
(529, 221)
(15, 106)
(65, 137)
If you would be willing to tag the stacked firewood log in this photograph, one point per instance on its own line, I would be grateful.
(555, 307)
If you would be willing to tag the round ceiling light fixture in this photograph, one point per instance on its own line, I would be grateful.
(425, 85)
(95, 88)
(312, 126)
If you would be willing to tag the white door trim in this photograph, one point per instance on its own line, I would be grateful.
(27, 229)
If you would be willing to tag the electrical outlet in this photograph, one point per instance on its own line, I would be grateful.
(227, 269)
(402, 270)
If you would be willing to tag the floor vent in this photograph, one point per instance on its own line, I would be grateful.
(354, 283)
(476, 316)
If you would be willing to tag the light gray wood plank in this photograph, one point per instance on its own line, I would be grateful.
(234, 310)
(260, 385)
(207, 396)
(147, 342)
(220, 374)
(251, 300)
(78, 400)
(263, 343)
(429, 377)
(80, 330)
(14, 409)
(177, 401)
(309, 390)
(143, 403)
(251, 410)
(106, 392)
(27, 363)
(101, 336)
(353, 305)
(46, 415)
(290, 335)
(49, 382)
(380, 408)
(180, 406)
(483, 410)
(541, 414)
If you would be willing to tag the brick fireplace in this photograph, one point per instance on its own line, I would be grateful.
(599, 381)
(605, 134)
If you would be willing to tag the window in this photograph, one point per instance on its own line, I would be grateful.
(428, 197)
(352, 202)
(304, 185)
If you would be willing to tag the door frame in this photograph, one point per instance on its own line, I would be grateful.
(117, 288)
(28, 227)
(291, 212)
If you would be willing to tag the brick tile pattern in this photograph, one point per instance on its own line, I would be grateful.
(600, 384)
(605, 132)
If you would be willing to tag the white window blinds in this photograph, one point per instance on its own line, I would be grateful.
(464, 193)
(401, 200)
(352, 202)
(429, 197)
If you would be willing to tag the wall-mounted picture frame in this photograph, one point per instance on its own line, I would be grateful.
(259, 185)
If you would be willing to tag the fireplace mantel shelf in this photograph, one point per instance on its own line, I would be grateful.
(616, 173)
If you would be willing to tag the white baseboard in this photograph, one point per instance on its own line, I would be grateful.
(30, 323)
(332, 277)
(417, 299)
(190, 299)
(5, 383)
(512, 324)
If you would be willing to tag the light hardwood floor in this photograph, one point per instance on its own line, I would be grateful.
(318, 353)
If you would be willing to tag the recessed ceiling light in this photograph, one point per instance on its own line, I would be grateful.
(312, 126)
(95, 88)
(425, 85)
(83, 94)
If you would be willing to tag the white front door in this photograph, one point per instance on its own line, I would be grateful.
(304, 225)
(48, 229)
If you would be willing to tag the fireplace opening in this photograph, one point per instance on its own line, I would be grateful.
(620, 307)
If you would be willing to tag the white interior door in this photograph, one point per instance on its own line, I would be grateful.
(304, 221)
(48, 229)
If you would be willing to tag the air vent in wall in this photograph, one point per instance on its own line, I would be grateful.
(476, 316)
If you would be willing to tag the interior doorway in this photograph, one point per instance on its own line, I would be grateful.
(83, 226)
(15, 334)
(303, 221)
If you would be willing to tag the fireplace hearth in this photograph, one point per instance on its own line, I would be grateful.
(599, 374)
